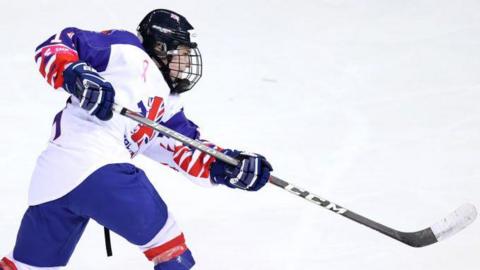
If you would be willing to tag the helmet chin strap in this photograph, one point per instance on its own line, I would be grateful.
(183, 85)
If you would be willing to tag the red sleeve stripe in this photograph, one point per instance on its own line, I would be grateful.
(53, 79)
(50, 69)
(186, 159)
(195, 166)
(48, 66)
(195, 161)
(179, 151)
(184, 153)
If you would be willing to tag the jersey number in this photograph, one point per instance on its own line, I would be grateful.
(56, 128)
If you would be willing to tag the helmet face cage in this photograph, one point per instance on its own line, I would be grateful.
(166, 38)
(183, 65)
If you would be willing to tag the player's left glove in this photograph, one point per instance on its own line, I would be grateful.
(251, 174)
(96, 95)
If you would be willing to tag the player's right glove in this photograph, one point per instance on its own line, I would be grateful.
(251, 174)
(95, 94)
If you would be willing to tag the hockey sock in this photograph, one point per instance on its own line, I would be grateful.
(182, 262)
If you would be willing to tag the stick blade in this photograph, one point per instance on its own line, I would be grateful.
(455, 222)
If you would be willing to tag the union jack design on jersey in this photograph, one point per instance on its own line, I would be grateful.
(194, 162)
(154, 111)
(191, 161)
(52, 58)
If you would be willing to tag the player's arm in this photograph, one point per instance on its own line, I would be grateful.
(251, 174)
(64, 61)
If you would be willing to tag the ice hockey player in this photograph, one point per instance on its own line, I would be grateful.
(84, 173)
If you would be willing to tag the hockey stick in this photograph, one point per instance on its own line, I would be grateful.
(448, 226)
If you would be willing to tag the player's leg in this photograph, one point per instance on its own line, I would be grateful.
(121, 198)
(167, 249)
(46, 239)
(7, 264)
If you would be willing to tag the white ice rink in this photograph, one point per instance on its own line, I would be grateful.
(372, 104)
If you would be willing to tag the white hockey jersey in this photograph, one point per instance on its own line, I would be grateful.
(81, 143)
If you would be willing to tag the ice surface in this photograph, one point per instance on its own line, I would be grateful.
(371, 104)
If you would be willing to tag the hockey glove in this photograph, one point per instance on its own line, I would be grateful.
(251, 174)
(95, 94)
